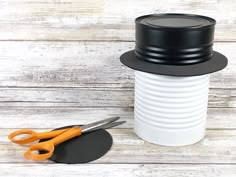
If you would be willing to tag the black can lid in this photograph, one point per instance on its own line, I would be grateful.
(177, 39)
(175, 21)
(174, 44)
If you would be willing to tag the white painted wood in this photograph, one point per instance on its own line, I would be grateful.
(101, 19)
(83, 64)
(217, 147)
(117, 170)
(92, 97)
(77, 97)
(60, 81)
(52, 117)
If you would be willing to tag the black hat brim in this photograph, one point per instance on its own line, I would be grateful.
(216, 63)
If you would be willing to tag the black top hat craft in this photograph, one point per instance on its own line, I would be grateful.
(174, 45)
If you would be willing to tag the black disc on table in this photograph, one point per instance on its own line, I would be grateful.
(82, 149)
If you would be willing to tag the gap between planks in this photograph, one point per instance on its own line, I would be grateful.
(52, 117)
(65, 64)
(102, 97)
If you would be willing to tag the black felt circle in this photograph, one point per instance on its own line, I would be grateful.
(216, 63)
(82, 149)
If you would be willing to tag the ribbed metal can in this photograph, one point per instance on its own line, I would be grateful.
(173, 59)
(170, 110)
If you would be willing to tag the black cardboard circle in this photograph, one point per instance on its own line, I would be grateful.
(216, 63)
(85, 148)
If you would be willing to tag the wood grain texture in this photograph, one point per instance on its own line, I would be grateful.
(92, 97)
(83, 64)
(51, 77)
(219, 146)
(118, 170)
(52, 117)
(101, 19)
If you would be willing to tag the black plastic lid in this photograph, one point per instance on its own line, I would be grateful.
(174, 39)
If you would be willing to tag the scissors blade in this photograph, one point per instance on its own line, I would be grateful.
(98, 124)
(106, 126)
(113, 124)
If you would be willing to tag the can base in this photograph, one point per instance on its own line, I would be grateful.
(171, 137)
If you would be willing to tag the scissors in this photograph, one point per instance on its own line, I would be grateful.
(58, 136)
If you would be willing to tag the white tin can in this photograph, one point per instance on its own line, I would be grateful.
(170, 110)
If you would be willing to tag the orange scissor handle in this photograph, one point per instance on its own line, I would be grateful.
(48, 146)
(32, 135)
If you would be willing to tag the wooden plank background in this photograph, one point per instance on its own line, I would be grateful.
(101, 19)
(59, 65)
